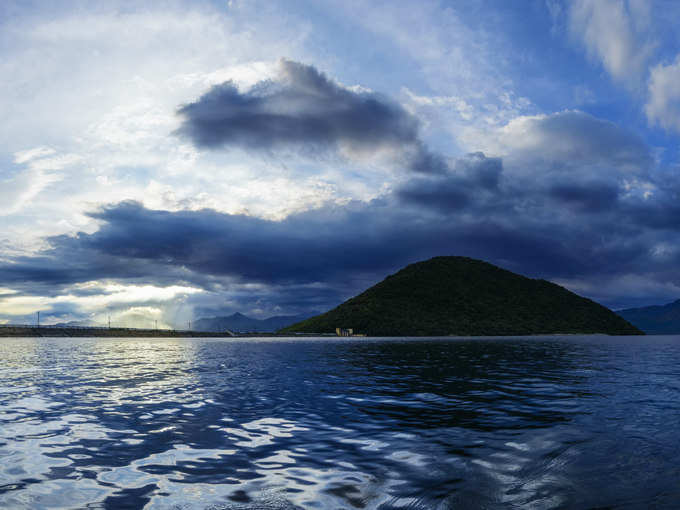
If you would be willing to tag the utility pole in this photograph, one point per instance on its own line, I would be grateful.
(38, 319)
(109, 322)
(156, 324)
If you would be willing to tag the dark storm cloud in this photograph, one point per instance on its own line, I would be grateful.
(473, 209)
(664, 216)
(449, 196)
(348, 247)
(305, 247)
(470, 178)
(71, 260)
(586, 196)
(304, 109)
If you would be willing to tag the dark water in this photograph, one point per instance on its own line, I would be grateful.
(576, 422)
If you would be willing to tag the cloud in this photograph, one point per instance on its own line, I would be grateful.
(29, 154)
(303, 109)
(573, 141)
(332, 244)
(616, 33)
(574, 197)
(663, 104)
(587, 196)
(22, 188)
(468, 179)
(125, 304)
(38, 169)
(114, 106)
(538, 224)
(568, 196)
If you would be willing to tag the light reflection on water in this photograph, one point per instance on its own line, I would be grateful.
(271, 423)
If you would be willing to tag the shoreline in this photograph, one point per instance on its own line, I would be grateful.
(49, 331)
(103, 332)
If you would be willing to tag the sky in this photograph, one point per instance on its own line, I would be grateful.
(170, 160)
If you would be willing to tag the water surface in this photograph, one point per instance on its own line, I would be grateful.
(572, 422)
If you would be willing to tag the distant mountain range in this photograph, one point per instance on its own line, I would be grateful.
(239, 322)
(76, 324)
(655, 320)
(464, 296)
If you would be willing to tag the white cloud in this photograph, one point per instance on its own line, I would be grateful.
(29, 154)
(462, 107)
(471, 123)
(615, 33)
(452, 55)
(139, 317)
(39, 167)
(663, 104)
(464, 68)
(570, 142)
(89, 101)
(22, 188)
(128, 305)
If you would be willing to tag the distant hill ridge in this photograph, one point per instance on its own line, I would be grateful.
(655, 320)
(239, 322)
(464, 296)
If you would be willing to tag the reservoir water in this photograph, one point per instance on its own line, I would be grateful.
(537, 423)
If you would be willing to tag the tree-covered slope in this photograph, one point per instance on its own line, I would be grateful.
(464, 296)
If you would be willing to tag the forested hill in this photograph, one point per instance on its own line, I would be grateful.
(464, 296)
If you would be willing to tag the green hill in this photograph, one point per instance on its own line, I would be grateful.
(464, 296)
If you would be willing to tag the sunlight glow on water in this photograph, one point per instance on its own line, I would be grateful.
(277, 424)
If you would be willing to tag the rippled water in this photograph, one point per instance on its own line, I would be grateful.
(572, 422)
